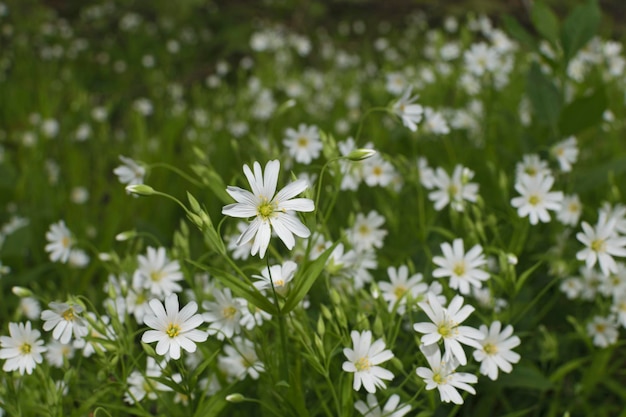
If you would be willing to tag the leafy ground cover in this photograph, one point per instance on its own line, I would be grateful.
(366, 218)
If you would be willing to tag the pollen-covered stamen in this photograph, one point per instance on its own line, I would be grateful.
(303, 142)
(173, 330)
(439, 378)
(156, 276)
(459, 269)
(25, 348)
(533, 200)
(266, 208)
(399, 291)
(363, 364)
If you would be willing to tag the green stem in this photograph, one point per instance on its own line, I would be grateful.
(284, 365)
(177, 171)
(365, 115)
(321, 179)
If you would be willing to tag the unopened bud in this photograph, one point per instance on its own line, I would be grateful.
(235, 398)
(127, 235)
(361, 154)
(22, 292)
(140, 189)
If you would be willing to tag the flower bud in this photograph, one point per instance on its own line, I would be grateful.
(361, 154)
(22, 292)
(127, 235)
(235, 398)
(140, 189)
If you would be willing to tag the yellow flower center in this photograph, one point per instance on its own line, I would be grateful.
(25, 349)
(598, 245)
(490, 349)
(534, 200)
(439, 379)
(377, 170)
(459, 269)
(531, 171)
(303, 142)
(279, 283)
(399, 291)
(156, 276)
(229, 312)
(447, 328)
(363, 364)
(173, 330)
(573, 207)
(600, 328)
(453, 190)
(66, 241)
(68, 314)
(266, 209)
(364, 230)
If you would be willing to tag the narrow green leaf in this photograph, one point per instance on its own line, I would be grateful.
(546, 22)
(567, 368)
(239, 287)
(525, 377)
(579, 27)
(520, 413)
(519, 283)
(583, 113)
(305, 279)
(544, 96)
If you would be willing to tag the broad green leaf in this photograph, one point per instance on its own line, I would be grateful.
(239, 287)
(544, 96)
(583, 113)
(546, 22)
(525, 377)
(518, 32)
(305, 279)
(579, 27)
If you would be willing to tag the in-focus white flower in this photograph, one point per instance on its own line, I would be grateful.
(392, 407)
(157, 273)
(536, 198)
(445, 324)
(22, 349)
(364, 359)
(603, 330)
(401, 288)
(443, 376)
(60, 242)
(304, 144)
(601, 244)
(277, 276)
(408, 110)
(496, 352)
(271, 211)
(566, 153)
(464, 269)
(173, 329)
(130, 172)
(65, 319)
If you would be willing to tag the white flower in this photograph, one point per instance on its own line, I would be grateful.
(377, 171)
(60, 242)
(224, 314)
(453, 190)
(603, 330)
(495, 352)
(277, 276)
(22, 350)
(65, 319)
(401, 287)
(407, 110)
(566, 153)
(130, 172)
(571, 209)
(392, 408)
(157, 273)
(304, 144)
(536, 198)
(601, 245)
(480, 58)
(271, 210)
(443, 376)
(446, 325)
(532, 166)
(59, 353)
(396, 83)
(464, 269)
(434, 122)
(143, 384)
(173, 329)
(366, 233)
(363, 361)
(240, 360)
(616, 212)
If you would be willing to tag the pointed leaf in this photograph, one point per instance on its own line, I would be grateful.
(579, 27)
(544, 96)
(583, 113)
(546, 22)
